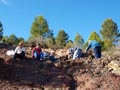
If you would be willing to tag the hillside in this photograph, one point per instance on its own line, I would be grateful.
(80, 74)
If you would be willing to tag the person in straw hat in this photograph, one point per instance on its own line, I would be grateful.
(19, 52)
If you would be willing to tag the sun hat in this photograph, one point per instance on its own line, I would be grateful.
(20, 43)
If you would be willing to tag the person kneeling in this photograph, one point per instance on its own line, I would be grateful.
(77, 54)
(52, 57)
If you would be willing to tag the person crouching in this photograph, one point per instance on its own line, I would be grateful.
(19, 52)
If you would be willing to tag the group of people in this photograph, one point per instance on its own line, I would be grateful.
(37, 53)
(74, 53)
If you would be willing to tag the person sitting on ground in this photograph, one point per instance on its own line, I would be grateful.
(96, 47)
(44, 55)
(36, 52)
(52, 57)
(77, 54)
(19, 52)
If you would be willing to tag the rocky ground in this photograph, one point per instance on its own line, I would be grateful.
(80, 74)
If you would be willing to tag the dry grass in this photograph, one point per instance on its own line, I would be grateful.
(113, 51)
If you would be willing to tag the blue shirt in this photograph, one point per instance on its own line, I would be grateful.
(92, 45)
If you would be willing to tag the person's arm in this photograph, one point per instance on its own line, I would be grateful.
(16, 49)
(40, 50)
(89, 46)
(23, 49)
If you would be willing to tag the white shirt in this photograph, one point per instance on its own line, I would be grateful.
(19, 50)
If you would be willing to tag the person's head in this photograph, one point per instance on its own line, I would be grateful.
(37, 44)
(89, 41)
(32, 46)
(52, 52)
(20, 44)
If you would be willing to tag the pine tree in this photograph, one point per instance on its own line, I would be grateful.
(61, 39)
(39, 27)
(109, 32)
(93, 36)
(78, 41)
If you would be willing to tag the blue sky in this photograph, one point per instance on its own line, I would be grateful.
(73, 16)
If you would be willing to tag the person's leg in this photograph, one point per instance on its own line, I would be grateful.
(34, 56)
(52, 58)
(38, 57)
(41, 55)
(79, 53)
(23, 56)
(97, 52)
(15, 56)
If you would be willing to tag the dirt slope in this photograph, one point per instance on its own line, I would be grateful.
(80, 74)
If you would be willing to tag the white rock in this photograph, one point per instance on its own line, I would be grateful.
(10, 52)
